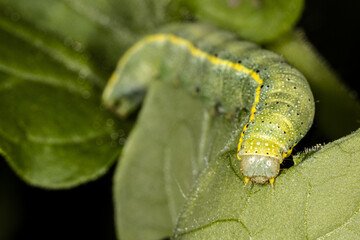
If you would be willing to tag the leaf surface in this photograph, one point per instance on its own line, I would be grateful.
(89, 27)
(53, 131)
(253, 20)
(163, 156)
(179, 175)
(318, 199)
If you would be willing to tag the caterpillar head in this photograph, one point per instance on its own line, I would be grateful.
(260, 168)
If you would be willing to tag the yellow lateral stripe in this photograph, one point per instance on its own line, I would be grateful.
(195, 52)
(253, 109)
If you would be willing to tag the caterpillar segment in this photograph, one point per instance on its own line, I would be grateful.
(220, 68)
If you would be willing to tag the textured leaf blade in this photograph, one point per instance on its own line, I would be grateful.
(163, 157)
(318, 198)
(147, 186)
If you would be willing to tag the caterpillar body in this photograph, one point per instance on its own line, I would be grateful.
(220, 68)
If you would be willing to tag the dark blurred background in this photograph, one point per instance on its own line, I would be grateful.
(86, 212)
(332, 27)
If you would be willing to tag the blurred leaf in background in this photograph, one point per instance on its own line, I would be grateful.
(253, 20)
(53, 130)
(88, 27)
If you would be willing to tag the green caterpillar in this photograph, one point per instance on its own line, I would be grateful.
(226, 71)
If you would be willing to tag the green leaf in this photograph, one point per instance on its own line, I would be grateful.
(162, 158)
(176, 147)
(318, 199)
(90, 27)
(53, 131)
(253, 20)
(337, 110)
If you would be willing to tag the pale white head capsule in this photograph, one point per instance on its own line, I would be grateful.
(260, 168)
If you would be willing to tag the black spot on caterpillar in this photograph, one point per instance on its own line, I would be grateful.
(223, 69)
